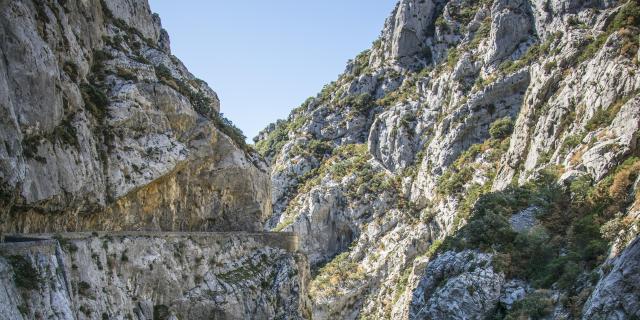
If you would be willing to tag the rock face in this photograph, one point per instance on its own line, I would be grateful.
(466, 275)
(387, 172)
(104, 129)
(154, 276)
(615, 295)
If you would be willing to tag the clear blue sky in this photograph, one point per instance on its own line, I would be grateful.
(263, 57)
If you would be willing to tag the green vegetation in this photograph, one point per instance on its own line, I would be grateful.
(227, 127)
(536, 305)
(67, 245)
(407, 90)
(202, 104)
(71, 69)
(84, 288)
(340, 271)
(401, 284)
(123, 26)
(571, 142)
(350, 159)
(534, 52)
(457, 179)
(603, 117)
(453, 57)
(361, 63)
(626, 22)
(360, 103)
(279, 136)
(86, 311)
(461, 171)
(97, 66)
(314, 148)
(25, 275)
(482, 33)
(126, 74)
(592, 47)
(275, 140)
(251, 269)
(160, 312)
(501, 128)
(95, 101)
(567, 243)
(453, 181)
(550, 66)
(41, 12)
(66, 132)
(463, 15)
(30, 147)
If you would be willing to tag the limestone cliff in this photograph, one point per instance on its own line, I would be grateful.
(479, 161)
(104, 129)
(153, 276)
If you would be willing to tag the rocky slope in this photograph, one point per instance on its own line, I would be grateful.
(104, 129)
(479, 161)
(153, 276)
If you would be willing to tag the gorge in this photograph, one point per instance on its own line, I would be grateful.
(480, 161)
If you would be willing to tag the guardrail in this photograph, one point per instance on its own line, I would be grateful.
(284, 240)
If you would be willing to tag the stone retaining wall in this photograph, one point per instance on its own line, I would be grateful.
(283, 240)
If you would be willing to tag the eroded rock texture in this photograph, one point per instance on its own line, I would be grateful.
(104, 129)
(381, 173)
(154, 276)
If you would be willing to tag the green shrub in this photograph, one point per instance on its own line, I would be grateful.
(361, 103)
(361, 63)
(126, 74)
(482, 33)
(95, 100)
(626, 21)
(84, 288)
(535, 250)
(66, 132)
(549, 66)
(604, 116)
(532, 54)
(71, 69)
(160, 312)
(627, 16)
(536, 305)
(406, 91)
(25, 275)
(30, 146)
(199, 100)
(320, 148)
(275, 140)
(580, 187)
(227, 127)
(501, 128)
(340, 271)
(569, 240)
(453, 57)
(452, 182)
(571, 142)
(163, 73)
(592, 47)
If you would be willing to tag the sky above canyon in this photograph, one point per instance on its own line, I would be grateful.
(264, 58)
